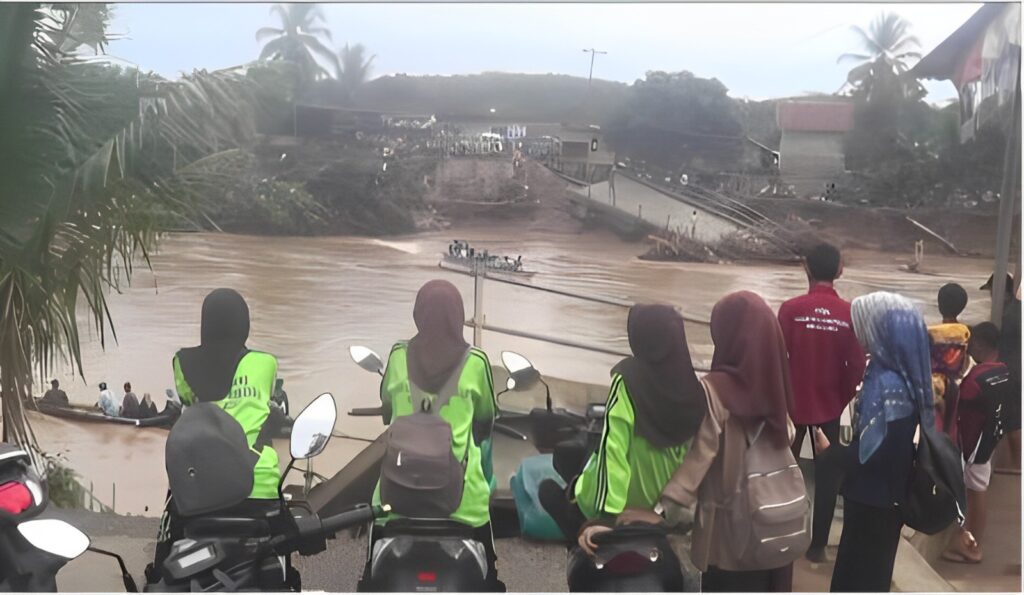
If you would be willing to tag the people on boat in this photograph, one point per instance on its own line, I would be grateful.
(130, 403)
(437, 370)
(55, 395)
(106, 402)
(223, 370)
(655, 406)
(147, 408)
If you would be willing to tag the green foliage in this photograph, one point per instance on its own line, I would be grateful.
(88, 156)
(353, 70)
(300, 40)
(882, 72)
(677, 119)
(62, 485)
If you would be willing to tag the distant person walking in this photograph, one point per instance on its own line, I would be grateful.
(55, 395)
(826, 364)
(693, 225)
(879, 460)
(949, 355)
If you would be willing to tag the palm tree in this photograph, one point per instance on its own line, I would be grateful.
(89, 159)
(887, 49)
(354, 68)
(298, 40)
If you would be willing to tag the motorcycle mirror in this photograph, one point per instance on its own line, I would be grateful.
(313, 427)
(366, 359)
(521, 372)
(55, 537)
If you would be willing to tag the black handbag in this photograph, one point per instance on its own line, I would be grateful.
(935, 496)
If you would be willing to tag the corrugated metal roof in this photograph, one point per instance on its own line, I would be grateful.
(815, 116)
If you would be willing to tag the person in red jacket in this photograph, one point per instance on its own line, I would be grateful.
(826, 364)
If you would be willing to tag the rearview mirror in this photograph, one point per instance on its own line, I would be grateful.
(313, 427)
(366, 359)
(55, 537)
(522, 374)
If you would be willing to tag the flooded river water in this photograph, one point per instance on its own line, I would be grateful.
(311, 298)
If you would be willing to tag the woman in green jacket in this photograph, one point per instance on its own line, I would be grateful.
(439, 360)
(222, 370)
(655, 406)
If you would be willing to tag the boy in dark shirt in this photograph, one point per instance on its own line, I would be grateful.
(981, 392)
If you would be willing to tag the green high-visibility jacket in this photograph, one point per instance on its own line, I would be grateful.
(249, 403)
(625, 471)
(474, 405)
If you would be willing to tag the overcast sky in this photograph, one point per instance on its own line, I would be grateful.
(758, 51)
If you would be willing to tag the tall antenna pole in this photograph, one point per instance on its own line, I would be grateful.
(593, 54)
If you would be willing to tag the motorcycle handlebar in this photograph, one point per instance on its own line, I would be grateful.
(356, 516)
(367, 412)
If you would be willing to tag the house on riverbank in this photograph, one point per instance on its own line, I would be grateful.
(811, 151)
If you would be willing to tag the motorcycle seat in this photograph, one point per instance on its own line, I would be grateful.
(433, 528)
(226, 527)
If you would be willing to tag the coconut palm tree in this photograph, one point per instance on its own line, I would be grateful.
(89, 161)
(887, 47)
(299, 40)
(354, 68)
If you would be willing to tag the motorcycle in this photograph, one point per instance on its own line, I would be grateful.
(33, 548)
(420, 554)
(630, 558)
(225, 551)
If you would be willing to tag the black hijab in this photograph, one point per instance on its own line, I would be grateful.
(668, 399)
(438, 347)
(210, 368)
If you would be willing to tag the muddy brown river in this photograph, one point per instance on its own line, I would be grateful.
(311, 298)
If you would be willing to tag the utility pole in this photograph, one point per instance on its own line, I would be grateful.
(593, 54)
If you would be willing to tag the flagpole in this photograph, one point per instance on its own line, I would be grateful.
(1007, 204)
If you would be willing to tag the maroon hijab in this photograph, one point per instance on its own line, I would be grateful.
(438, 347)
(667, 396)
(750, 368)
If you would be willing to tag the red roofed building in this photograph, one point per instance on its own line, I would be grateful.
(811, 148)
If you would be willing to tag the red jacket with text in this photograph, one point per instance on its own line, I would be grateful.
(826, 362)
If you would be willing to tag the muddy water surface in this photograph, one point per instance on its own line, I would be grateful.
(311, 298)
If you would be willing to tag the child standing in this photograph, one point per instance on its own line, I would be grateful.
(984, 395)
(949, 355)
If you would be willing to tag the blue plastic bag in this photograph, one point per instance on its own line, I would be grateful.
(534, 521)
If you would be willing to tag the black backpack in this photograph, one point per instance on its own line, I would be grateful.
(935, 496)
(420, 475)
(996, 392)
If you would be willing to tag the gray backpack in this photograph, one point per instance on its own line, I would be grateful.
(768, 517)
(420, 475)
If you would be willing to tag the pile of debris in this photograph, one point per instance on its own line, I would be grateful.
(767, 241)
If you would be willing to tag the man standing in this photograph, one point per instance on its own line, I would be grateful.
(55, 395)
(826, 365)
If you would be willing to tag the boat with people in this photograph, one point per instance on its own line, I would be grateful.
(463, 258)
(80, 413)
(165, 419)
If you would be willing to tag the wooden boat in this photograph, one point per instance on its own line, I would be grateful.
(94, 415)
(469, 265)
(164, 419)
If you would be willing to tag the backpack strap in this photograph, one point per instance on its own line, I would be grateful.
(433, 403)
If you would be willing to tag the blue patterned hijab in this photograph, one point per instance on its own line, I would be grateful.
(898, 380)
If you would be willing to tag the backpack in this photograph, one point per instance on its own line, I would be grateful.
(768, 516)
(996, 392)
(420, 474)
(935, 495)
